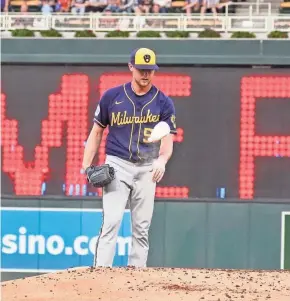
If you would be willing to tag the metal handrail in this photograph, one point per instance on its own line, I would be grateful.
(257, 5)
(135, 23)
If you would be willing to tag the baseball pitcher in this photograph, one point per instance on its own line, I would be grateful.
(134, 162)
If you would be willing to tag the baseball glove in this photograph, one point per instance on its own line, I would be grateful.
(100, 176)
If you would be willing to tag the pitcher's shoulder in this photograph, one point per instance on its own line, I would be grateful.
(113, 92)
(164, 98)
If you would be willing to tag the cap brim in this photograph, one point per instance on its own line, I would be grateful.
(146, 67)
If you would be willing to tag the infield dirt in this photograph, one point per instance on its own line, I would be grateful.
(151, 284)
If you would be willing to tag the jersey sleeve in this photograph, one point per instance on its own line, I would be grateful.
(168, 115)
(102, 113)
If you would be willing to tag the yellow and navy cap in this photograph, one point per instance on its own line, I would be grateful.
(144, 58)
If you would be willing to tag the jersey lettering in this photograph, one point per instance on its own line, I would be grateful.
(146, 134)
(122, 118)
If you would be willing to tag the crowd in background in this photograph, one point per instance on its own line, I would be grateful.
(113, 6)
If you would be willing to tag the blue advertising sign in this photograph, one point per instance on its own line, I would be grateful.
(51, 239)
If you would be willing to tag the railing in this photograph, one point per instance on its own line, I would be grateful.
(99, 23)
(250, 8)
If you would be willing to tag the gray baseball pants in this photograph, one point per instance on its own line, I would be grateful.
(133, 185)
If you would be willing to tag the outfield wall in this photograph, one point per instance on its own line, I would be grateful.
(170, 51)
(184, 233)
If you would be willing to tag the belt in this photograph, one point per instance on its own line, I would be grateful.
(145, 161)
(141, 161)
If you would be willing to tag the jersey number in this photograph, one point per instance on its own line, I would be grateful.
(147, 133)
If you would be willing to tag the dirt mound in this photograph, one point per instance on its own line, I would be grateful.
(152, 284)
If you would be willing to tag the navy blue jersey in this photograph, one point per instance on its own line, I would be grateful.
(131, 118)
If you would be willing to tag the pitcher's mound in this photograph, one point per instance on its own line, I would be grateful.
(152, 284)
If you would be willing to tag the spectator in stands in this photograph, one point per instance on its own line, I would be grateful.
(222, 3)
(190, 6)
(209, 4)
(63, 6)
(79, 6)
(127, 6)
(143, 7)
(47, 7)
(3, 5)
(113, 6)
(161, 6)
(96, 6)
(23, 7)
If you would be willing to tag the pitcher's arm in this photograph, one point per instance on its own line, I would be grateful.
(92, 145)
(166, 148)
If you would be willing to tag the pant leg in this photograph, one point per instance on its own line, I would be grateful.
(74, 10)
(115, 198)
(141, 205)
(82, 10)
(163, 10)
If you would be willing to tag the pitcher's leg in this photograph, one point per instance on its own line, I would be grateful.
(115, 197)
(141, 205)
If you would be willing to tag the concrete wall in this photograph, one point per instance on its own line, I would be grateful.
(173, 52)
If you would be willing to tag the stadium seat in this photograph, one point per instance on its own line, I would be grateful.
(16, 3)
(176, 6)
(33, 5)
(285, 7)
(29, 3)
(178, 3)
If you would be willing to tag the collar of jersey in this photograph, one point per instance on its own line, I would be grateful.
(130, 88)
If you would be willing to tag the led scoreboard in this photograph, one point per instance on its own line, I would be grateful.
(233, 130)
